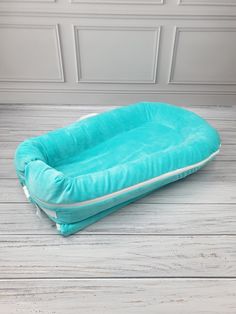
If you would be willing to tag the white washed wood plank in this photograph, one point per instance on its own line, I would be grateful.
(24, 218)
(133, 219)
(7, 149)
(7, 169)
(53, 110)
(116, 296)
(188, 190)
(227, 152)
(194, 191)
(206, 111)
(48, 123)
(228, 137)
(30, 256)
(220, 125)
(11, 135)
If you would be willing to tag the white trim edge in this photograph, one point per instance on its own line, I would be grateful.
(87, 116)
(26, 191)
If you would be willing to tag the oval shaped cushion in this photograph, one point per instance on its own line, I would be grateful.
(82, 172)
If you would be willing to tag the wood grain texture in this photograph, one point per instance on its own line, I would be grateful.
(79, 256)
(47, 122)
(163, 219)
(179, 296)
(221, 112)
(171, 252)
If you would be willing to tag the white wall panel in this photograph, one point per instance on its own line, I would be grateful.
(208, 2)
(30, 53)
(116, 54)
(22, 1)
(117, 51)
(119, 1)
(204, 56)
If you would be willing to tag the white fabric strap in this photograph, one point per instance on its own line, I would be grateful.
(26, 191)
(87, 116)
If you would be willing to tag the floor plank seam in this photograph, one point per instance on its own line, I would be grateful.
(87, 233)
(122, 278)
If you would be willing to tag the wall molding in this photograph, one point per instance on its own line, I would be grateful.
(175, 44)
(53, 27)
(115, 98)
(120, 92)
(79, 78)
(207, 3)
(28, 1)
(118, 16)
(137, 2)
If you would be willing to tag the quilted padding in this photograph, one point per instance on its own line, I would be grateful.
(83, 172)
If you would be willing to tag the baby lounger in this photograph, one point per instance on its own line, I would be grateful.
(81, 173)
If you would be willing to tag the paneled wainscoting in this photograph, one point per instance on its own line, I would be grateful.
(115, 52)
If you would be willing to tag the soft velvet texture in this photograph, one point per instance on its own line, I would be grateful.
(103, 154)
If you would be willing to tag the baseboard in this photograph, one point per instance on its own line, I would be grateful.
(114, 98)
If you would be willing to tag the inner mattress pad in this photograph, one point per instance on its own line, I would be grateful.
(80, 173)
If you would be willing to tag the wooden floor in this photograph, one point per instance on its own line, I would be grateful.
(171, 252)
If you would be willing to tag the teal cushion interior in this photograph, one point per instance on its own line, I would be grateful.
(81, 173)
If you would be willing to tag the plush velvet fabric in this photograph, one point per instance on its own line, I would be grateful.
(77, 171)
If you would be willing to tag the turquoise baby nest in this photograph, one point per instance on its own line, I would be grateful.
(82, 172)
